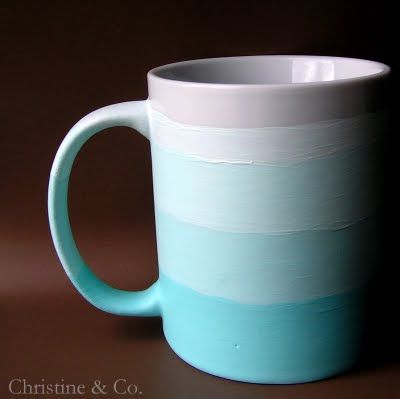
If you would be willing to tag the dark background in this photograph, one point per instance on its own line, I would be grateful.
(63, 59)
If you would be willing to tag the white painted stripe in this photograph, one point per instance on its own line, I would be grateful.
(268, 145)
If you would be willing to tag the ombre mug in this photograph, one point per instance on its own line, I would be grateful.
(264, 173)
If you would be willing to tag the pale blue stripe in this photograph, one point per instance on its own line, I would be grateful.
(319, 194)
(263, 268)
(281, 343)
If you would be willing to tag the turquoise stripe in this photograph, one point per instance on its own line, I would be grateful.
(281, 343)
(263, 268)
(323, 193)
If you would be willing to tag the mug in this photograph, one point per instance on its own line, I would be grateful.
(266, 192)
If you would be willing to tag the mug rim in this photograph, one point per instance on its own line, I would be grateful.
(156, 73)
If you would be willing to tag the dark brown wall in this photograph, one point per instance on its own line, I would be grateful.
(63, 59)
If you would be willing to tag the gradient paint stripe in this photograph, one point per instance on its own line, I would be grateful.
(278, 343)
(319, 194)
(266, 145)
(262, 268)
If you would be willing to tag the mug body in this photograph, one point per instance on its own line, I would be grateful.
(266, 189)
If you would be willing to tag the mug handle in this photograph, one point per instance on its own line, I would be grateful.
(140, 303)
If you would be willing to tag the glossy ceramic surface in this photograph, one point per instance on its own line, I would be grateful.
(266, 185)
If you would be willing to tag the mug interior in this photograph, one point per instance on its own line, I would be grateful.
(269, 70)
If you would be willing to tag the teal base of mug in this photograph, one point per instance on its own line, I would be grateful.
(270, 344)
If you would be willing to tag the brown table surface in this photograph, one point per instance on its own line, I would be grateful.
(49, 332)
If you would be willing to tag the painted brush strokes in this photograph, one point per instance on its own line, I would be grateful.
(265, 244)
(288, 229)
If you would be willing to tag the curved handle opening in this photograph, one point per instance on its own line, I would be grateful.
(137, 303)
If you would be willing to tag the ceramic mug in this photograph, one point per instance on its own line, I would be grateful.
(264, 173)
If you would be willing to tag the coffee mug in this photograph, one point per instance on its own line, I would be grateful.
(266, 191)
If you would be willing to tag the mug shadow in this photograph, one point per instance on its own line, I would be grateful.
(140, 328)
(381, 345)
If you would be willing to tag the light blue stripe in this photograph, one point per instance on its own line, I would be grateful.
(281, 343)
(318, 194)
(263, 268)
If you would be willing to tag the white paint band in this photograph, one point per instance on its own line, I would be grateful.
(266, 145)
